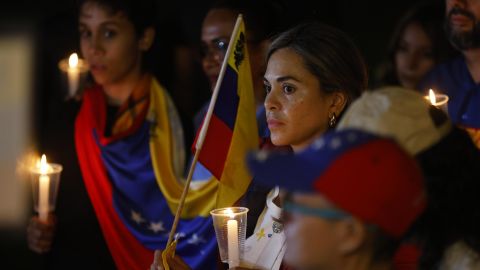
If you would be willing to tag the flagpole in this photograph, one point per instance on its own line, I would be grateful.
(203, 131)
(200, 140)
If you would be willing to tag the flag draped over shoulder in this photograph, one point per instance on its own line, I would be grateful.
(232, 130)
(132, 182)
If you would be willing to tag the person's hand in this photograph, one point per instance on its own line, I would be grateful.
(40, 234)
(175, 263)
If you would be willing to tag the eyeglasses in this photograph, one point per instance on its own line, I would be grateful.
(332, 214)
(217, 47)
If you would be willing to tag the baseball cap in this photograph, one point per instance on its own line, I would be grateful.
(400, 113)
(367, 176)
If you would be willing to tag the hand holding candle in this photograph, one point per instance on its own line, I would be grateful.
(45, 180)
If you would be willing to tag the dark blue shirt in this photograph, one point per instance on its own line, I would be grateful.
(453, 78)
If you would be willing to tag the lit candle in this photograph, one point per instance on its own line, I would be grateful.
(43, 190)
(75, 68)
(438, 100)
(232, 239)
(73, 74)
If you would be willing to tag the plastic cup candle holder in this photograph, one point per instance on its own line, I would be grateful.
(230, 228)
(45, 180)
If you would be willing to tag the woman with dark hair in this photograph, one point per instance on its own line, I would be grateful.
(314, 72)
(330, 57)
(127, 151)
(416, 46)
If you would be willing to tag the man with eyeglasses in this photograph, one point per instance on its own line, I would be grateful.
(352, 196)
(262, 21)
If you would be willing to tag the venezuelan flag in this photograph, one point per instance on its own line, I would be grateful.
(133, 186)
(230, 126)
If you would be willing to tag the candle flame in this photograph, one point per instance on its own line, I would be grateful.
(43, 165)
(73, 60)
(229, 212)
(432, 97)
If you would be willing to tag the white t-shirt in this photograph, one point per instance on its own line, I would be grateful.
(265, 248)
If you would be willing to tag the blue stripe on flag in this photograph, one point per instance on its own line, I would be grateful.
(226, 106)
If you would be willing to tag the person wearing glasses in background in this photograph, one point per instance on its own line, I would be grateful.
(262, 22)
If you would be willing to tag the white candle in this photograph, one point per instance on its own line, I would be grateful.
(233, 252)
(232, 239)
(43, 190)
(43, 197)
(230, 226)
(73, 74)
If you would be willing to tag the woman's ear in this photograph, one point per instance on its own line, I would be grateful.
(353, 235)
(147, 38)
(339, 101)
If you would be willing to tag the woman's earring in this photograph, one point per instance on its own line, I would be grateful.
(332, 120)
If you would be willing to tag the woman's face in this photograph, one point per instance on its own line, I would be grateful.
(109, 44)
(297, 109)
(414, 56)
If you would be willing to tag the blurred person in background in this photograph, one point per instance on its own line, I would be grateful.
(459, 78)
(351, 196)
(263, 19)
(416, 46)
(446, 236)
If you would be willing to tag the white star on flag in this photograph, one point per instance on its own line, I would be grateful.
(180, 235)
(319, 143)
(195, 240)
(137, 217)
(335, 143)
(156, 227)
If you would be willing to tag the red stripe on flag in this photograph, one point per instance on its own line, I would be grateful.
(215, 147)
(126, 250)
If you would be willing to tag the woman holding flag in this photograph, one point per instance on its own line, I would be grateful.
(129, 145)
(313, 73)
